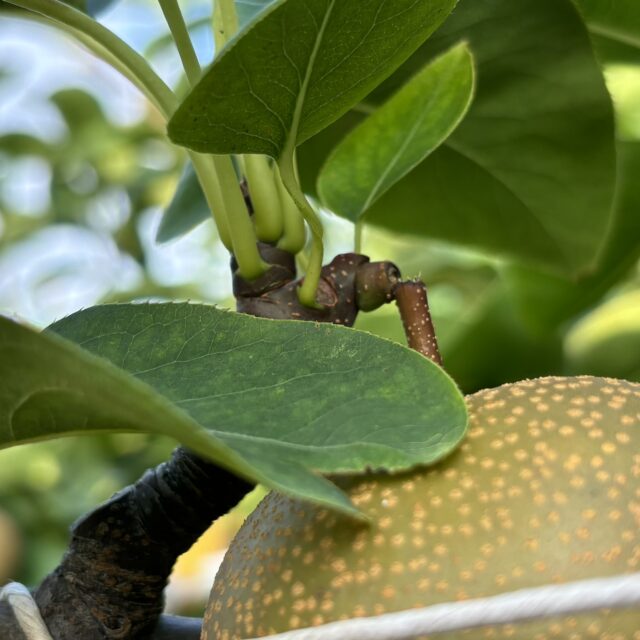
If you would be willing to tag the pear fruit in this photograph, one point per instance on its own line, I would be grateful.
(544, 490)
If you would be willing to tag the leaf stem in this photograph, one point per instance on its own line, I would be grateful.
(216, 173)
(102, 40)
(180, 33)
(241, 229)
(267, 215)
(294, 235)
(225, 22)
(307, 291)
(212, 190)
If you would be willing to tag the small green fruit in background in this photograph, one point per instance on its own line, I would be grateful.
(546, 489)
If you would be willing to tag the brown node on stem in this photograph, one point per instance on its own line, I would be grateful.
(375, 284)
(411, 297)
(348, 284)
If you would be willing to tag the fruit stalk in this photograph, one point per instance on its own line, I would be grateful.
(413, 304)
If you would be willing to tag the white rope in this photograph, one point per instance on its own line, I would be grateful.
(25, 610)
(517, 606)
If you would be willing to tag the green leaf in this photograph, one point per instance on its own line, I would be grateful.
(296, 69)
(491, 345)
(248, 10)
(614, 27)
(91, 7)
(615, 20)
(607, 341)
(187, 209)
(546, 300)
(530, 172)
(159, 44)
(399, 135)
(269, 400)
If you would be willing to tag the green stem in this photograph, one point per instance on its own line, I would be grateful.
(218, 177)
(243, 234)
(225, 22)
(102, 40)
(123, 58)
(181, 36)
(307, 292)
(202, 164)
(208, 178)
(294, 235)
(267, 214)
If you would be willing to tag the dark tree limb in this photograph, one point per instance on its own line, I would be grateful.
(110, 582)
(9, 627)
(168, 628)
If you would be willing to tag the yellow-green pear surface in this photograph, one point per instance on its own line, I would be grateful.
(545, 490)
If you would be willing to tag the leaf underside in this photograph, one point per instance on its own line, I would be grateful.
(298, 67)
(270, 400)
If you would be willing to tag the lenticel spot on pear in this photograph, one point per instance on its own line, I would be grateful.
(544, 490)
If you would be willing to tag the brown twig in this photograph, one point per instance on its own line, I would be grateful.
(413, 304)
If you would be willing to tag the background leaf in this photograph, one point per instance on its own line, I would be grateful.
(546, 300)
(608, 339)
(249, 9)
(614, 27)
(530, 172)
(91, 7)
(269, 400)
(616, 20)
(187, 209)
(297, 69)
(399, 135)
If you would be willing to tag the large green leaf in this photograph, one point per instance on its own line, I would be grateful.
(530, 172)
(187, 209)
(546, 300)
(249, 9)
(269, 400)
(614, 27)
(298, 67)
(607, 341)
(399, 135)
(616, 20)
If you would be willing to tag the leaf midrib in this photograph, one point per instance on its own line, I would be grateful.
(290, 143)
(614, 34)
(457, 148)
(402, 148)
